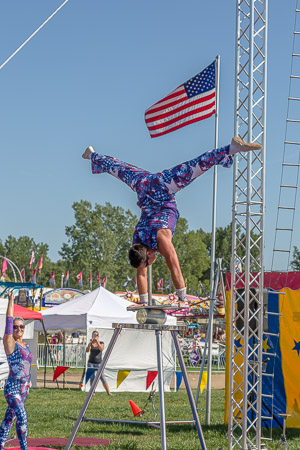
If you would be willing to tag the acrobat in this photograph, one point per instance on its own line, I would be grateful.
(156, 198)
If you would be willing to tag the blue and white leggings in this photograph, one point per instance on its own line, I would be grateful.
(16, 408)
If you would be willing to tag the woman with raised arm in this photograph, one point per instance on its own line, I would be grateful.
(16, 388)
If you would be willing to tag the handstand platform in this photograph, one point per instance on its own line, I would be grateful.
(158, 329)
(152, 314)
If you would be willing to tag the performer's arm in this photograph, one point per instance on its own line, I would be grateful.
(8, 339)
(141, 279)
(167, 250)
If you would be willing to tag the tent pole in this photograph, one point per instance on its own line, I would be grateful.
(64, 357)
(149, 280)
(47, 347)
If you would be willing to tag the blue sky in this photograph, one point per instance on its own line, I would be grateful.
(86, 79)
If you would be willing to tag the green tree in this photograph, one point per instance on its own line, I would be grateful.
(19, 250)
(296, 261)
(98, 242)
(192, 255)
(224, 246)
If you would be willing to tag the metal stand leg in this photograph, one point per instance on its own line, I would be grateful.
(189, 390)
(99, 373)
(161, 391)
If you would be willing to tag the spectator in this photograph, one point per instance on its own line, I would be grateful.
(95, 348)
(75, 337)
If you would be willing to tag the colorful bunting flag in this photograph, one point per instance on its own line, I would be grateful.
(168, 286)
(203, 381)
(151, 375)
(103, 282)
(122, 374)
(89, 373)
(90, 281)
(58, 371)
(98, 279)
(178, 379)
(41, 264)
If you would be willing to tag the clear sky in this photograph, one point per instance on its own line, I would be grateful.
(86, 79)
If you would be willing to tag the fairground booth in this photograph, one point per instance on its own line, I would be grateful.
(281, 349)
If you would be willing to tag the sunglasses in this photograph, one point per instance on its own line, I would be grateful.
(19, 326)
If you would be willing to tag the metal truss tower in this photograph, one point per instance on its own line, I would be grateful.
(246, 319)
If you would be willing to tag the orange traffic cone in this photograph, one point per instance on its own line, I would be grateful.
(135, 409)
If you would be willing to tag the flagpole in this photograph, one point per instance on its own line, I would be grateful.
(213, 250)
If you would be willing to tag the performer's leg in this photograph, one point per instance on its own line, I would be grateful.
(16, 408)
(6, 426)
(183, 174)
(21, 424)
(119, 169)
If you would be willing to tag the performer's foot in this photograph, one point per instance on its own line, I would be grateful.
(88, 152)
(238, 145)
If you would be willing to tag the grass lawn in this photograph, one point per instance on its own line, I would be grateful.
(53, 413)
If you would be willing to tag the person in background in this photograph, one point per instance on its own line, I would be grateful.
(60, 339)
(95, 348)
(16, 388)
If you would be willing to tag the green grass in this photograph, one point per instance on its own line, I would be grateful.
(53, 412)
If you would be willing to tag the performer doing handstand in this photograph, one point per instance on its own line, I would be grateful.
(156, 198)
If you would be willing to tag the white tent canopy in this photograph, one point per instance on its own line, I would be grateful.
(99, 309)
(135, 350)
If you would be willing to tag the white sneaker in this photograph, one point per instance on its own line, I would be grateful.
(88, 152)
(238, 145)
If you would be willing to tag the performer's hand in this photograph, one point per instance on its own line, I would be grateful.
(10, 296)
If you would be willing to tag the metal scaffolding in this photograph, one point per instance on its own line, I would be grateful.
(245, 377)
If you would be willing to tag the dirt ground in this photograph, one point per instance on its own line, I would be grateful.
(71, 379)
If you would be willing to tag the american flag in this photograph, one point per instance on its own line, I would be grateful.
(192, 101)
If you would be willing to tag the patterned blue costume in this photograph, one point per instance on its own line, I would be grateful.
(16, 390)
(156, 191)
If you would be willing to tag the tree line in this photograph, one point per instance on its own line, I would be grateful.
(98, 243)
